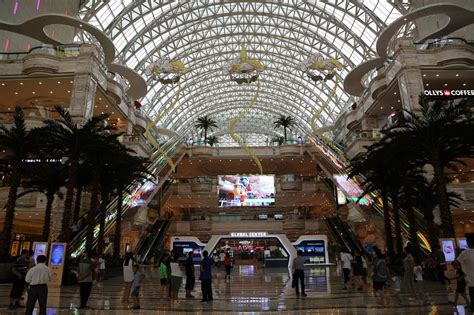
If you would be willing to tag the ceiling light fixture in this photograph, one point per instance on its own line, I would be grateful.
(437, 74)
(40, 82)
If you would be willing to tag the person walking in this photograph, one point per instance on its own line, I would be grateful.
(164, 280)
(37, 279)
(138, 277)
(176, 279)
(380, 276)
(227, 265)
(101, 267)
(85, 279)
(298, 272)
(466, 258)
(127, 275)
(190, 277)
(460, 284)
(441, 266)
(206, 277)
(408, 282)
(346, 260)
(19, 269)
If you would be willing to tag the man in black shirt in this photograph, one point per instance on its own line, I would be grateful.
(190, 279)
(19, 269)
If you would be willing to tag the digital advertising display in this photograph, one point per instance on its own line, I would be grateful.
(448, 249)
(57, 254)
(246, 191)
(463, 244)
(39, 249)
(351, 189)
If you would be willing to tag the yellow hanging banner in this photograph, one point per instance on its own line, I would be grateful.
(234, 121)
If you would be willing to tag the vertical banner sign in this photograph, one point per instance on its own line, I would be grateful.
(56, 263)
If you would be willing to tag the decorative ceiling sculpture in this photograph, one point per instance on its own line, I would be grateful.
(166, 71)
(318, 67)
(204, 35)
(243, 69)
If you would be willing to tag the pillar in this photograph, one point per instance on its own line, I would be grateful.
(410, 81)
(82, 98)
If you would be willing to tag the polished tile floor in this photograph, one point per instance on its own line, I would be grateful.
(252, 290)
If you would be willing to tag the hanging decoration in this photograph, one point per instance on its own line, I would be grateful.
(243, 69)
(319, 68)
(234, 121)
(152, 140)
(320, 136)
(166, 71)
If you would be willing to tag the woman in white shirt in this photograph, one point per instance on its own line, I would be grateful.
(176, 279)
(127, 276)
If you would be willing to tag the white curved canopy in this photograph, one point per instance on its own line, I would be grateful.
(206, 34)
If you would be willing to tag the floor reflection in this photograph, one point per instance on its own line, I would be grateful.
(251, 289)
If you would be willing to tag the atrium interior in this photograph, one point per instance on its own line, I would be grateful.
(238, 156)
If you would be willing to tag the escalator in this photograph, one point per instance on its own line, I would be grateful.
(152, 242)
(343, 234)
(332, 157)
(160, 170)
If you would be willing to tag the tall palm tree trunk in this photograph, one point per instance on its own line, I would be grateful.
(103, 211)
(47, 216)
(92, 212)
(205, 136)
(388, 225)
(77, 205)
(66, 222)
(118, 224)
(398, 226)
(6, 235)
(284, 131)
(413, 232)
(443, 201)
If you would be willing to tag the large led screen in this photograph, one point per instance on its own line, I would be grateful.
(246, 191)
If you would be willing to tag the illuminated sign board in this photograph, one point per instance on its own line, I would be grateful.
(248, 234)
(448, 93)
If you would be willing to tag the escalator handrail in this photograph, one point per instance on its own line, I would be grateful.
(156, 240)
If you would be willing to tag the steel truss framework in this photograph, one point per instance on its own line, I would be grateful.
(206, 34)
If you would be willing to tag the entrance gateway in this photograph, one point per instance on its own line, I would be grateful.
(314, 247)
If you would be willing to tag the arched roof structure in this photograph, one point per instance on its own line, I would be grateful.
(207, 34)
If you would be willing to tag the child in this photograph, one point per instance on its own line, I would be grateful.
(164, 275)
(461, 284)
(138, 277)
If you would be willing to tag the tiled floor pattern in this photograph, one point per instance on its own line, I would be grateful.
(251, 290)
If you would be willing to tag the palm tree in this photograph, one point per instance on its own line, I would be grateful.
(97, 154)
(128, 168)
(207, 124)
(82, 180)
(212, 140)
(19, 144)
(443, 137)
(372, 167)
(47, 178)
(72, 139)
(286, 122)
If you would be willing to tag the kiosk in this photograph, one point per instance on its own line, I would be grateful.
(56, 263)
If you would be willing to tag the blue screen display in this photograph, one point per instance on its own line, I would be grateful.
(57, 254)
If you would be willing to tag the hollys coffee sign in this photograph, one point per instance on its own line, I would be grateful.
(449, 93)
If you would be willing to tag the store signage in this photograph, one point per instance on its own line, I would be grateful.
(448, 92)
(248, 234)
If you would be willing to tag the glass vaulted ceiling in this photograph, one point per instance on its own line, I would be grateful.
(205, 35)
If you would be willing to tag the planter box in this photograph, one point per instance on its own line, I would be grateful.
(202, 151)
(291, 149)
(201, 187)
(285, 185)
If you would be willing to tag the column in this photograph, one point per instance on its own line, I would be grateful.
(410, 81)
(82, 98)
